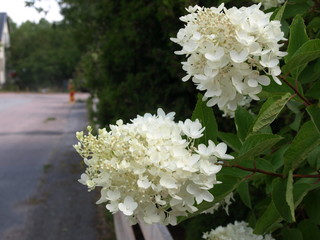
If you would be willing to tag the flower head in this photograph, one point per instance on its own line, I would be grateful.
(229, 52)
(238, 230)
(150, 169)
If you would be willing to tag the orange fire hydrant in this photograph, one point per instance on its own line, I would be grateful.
(71, 91)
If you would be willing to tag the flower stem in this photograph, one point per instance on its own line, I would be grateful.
(256, 170)
(296, 90)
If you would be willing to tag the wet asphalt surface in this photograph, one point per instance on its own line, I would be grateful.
(40, 198)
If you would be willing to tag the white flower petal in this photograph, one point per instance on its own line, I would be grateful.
(186, 78)
(277, 80)
(263, 80)
(216, 56)
(190, 46)
(252, 82)
(128, 206)
(239, 57)
(168, 182)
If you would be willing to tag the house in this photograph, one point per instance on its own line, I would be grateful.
(4, 43)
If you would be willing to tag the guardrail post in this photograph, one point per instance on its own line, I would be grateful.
(155, 232)
(124, 230)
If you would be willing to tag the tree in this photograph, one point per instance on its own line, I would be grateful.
(42, 55)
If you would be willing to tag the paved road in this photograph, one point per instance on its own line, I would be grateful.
(40, 198)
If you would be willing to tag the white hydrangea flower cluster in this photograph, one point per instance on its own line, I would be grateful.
(225, 203)
(229, 52)
(150, 169)
(236, 231)
(269, 3)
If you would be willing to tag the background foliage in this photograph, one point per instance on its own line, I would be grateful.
(128, 57)
(42, 55)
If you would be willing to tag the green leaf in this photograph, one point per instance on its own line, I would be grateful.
(277, 15)
(301, 189)
(270, 110)
(312, 203)
(298, 36)
(304, 142)
(314, 112)
(234, 172)
(285, 28)
(223, 1)
(310, 73)
(231, 140)
(309, 229)
(314, 158)
(265, 165)
(314, 23)
(279, 189)
(256, 144)
(295, 125)
(244, 194)
(207, 119)
(243, 120)
(266, 129)
(291, 234)
(275, 89)
(309, 51)
(314, 91)
(251, 219)
(294, 106)
(227, 186)
(296, 7)
(259, 163)
(276, 158)
(289, 194)
(270, 217)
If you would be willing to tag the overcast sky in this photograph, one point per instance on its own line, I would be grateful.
(19, 13)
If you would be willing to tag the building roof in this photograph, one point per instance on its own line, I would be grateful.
(3, 20)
